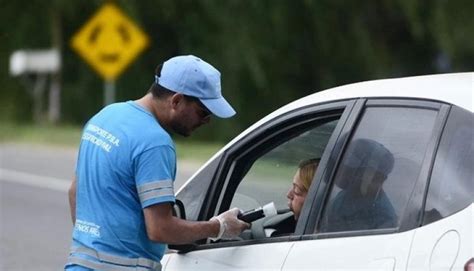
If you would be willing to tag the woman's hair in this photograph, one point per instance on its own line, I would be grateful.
(307, 169)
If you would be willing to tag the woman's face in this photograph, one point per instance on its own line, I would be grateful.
(296, 195)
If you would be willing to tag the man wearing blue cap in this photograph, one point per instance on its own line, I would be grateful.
(122, 196)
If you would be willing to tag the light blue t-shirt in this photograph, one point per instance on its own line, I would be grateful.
(126, 162)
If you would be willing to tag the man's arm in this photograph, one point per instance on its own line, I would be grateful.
(72, 199)
(163, 227)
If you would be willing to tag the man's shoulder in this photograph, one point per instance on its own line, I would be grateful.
(152, 137)
(132, 126)
(112, 112)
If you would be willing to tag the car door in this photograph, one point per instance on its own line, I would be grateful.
(445, 240)
(256, 170)
(363, 213)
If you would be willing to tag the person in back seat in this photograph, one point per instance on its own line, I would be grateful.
(362, 203)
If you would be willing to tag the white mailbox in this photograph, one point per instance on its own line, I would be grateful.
(34, 61)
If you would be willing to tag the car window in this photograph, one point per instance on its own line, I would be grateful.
(193, 194)
(451, 187)
(270, 175)
(378, 170)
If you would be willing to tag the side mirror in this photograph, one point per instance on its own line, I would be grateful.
(178, 211)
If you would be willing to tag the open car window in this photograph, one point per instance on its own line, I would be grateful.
(265, 172)
(270, 176)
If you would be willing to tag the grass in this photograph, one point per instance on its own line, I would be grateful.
(64, 135)
(198, 151)
(69, 136)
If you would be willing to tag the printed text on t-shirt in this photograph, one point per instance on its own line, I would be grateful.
(100, 137)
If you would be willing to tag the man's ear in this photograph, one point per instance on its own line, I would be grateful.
(176, 99)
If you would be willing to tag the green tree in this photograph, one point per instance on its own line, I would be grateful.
(269, 52)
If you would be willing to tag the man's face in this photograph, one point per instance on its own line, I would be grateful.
(372, 182)
(364, 181)
(190, 114)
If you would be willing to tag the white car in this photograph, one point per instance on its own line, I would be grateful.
(421, 218)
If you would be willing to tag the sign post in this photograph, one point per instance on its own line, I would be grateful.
(109, 42)
(109, 91)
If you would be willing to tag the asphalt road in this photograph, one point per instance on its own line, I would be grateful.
(35, 225)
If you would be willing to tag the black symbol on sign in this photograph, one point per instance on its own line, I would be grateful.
(109, 57)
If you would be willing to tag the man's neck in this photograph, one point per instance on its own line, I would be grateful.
(156, 108)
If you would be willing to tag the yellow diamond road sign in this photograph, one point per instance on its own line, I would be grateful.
(109, 41)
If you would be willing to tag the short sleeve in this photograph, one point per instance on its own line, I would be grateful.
(155, 171)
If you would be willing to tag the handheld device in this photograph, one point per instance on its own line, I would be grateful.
(252, 215)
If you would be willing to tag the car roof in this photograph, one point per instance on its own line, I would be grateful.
(451, 88)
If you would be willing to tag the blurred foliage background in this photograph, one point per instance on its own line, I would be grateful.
(269, 52)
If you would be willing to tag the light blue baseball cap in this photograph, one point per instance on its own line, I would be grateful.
(192, 76)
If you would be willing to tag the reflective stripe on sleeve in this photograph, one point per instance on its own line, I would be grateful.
(155, 189)
(110, 262)
(155, 185)
(156, 194)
